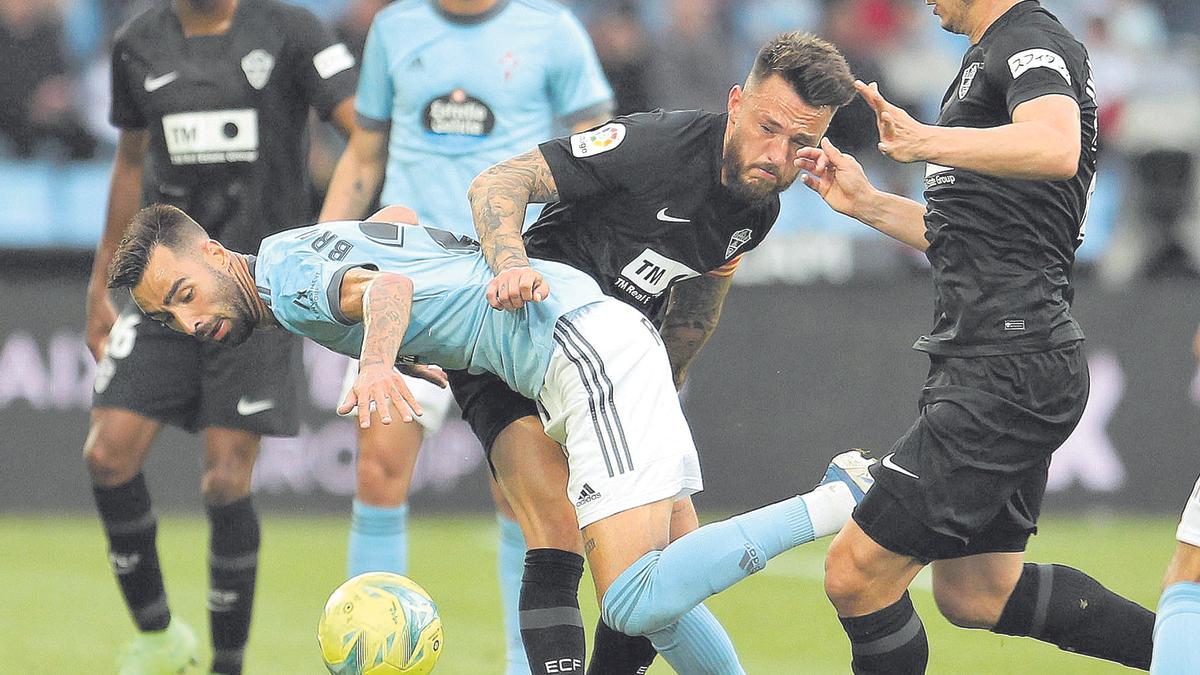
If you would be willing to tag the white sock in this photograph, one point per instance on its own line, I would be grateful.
(829, 507)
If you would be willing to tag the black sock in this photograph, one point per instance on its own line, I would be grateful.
(615, 653)
(891, 640)
(131, 528)
(551, 626)
(1067, 608)
(232, 568)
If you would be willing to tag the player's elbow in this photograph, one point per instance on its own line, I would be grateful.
(1063, 162)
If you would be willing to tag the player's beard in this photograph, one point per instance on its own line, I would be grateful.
(747, 188)
(238, 312)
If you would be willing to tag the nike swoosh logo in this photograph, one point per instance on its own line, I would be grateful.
(889, 464)
(662, 215)
(156, 83)
(246, 408)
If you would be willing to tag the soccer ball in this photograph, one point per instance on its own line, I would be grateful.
(380, 623)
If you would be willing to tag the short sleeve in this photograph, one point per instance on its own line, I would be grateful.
(374, 98)
(578, 88)
(306, 288)
(327, 67)
(1031, 64)
(124, 113)
(626, 152)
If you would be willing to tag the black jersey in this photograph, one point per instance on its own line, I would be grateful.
(1002, 250)
(642, 206)
(227, 115)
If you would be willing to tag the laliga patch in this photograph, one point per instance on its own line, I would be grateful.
(598, 140)
(257, 65)
(1029, 59)
(968, 77)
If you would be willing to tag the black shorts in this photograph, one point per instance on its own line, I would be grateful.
(970, 474)
(488, 405)
(151, 370)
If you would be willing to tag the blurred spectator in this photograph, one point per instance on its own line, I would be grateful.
(623, 47)
(693, 65)
(37, 91)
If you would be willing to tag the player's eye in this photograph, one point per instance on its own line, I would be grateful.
(187, 296)
(765, 129)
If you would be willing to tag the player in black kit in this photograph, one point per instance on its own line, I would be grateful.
(211, 98)
(659, 208)
(1010, 168)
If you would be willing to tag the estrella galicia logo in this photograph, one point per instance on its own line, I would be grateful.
(459, 114)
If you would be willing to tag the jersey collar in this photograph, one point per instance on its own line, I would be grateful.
(469, 19)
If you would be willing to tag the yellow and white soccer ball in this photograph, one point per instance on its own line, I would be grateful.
(380, 623)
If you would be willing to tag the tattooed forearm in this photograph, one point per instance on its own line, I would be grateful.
(691, 317)
(498, 199)
(387, 304)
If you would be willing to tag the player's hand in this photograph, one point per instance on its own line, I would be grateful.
(101, 315)
(901, 137)
(836, 176)
(380, 388)
(515, 286)
(432, 374)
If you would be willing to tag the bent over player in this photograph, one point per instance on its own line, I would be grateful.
(387, 291)
(1010, 166)
(211, 98)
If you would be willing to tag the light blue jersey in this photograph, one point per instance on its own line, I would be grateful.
(299, 275)
(463, 93)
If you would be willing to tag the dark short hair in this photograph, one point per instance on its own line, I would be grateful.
(157, 224)
(814, 68)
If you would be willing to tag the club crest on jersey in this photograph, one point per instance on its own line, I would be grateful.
(968, 77)
(460, 114)
(257, 65)
(738, 240)
(597, 140)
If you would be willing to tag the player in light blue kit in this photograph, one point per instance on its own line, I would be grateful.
(448, 88)
(394, 292)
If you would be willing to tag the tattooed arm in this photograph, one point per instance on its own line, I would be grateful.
(498, 199)
(691, 317)
(358, 175)
(383, 303)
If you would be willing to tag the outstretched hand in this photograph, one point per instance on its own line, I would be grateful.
(379, 389)
(901, 137)
(515, 286)
(836, 176)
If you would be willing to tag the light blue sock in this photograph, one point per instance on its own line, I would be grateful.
(511, 562)
(378, 539)
(662, 586)
(697, 644)
(1175, 631)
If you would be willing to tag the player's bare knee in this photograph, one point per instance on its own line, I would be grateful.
(109, 461)
(845, 580)
(226, 482)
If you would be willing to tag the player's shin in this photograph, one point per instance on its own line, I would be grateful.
(510, 562)
(615, 653)
(131, 528)
(1067, 608)
(697, 643)
(551, 625)
(891, 640)
(378, 539)
(233, 567)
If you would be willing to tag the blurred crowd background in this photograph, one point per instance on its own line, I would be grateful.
(56, 143)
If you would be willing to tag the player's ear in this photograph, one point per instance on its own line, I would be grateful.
(735, 99)
(216, 254)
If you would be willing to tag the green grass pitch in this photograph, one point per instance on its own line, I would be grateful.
(62, 614)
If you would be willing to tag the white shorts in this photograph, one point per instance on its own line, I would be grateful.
(435, 402)
(1189, 524)
(609, 400)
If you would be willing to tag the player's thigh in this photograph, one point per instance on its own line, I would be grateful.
(861, 576)
(150, 370)
(617, 541)
(117, 444)
(683, 518)
(256, 386)
(531, 471)
(229, 456)
(972, 591)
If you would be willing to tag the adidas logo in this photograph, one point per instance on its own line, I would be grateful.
(750, 561)
(587, 494)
